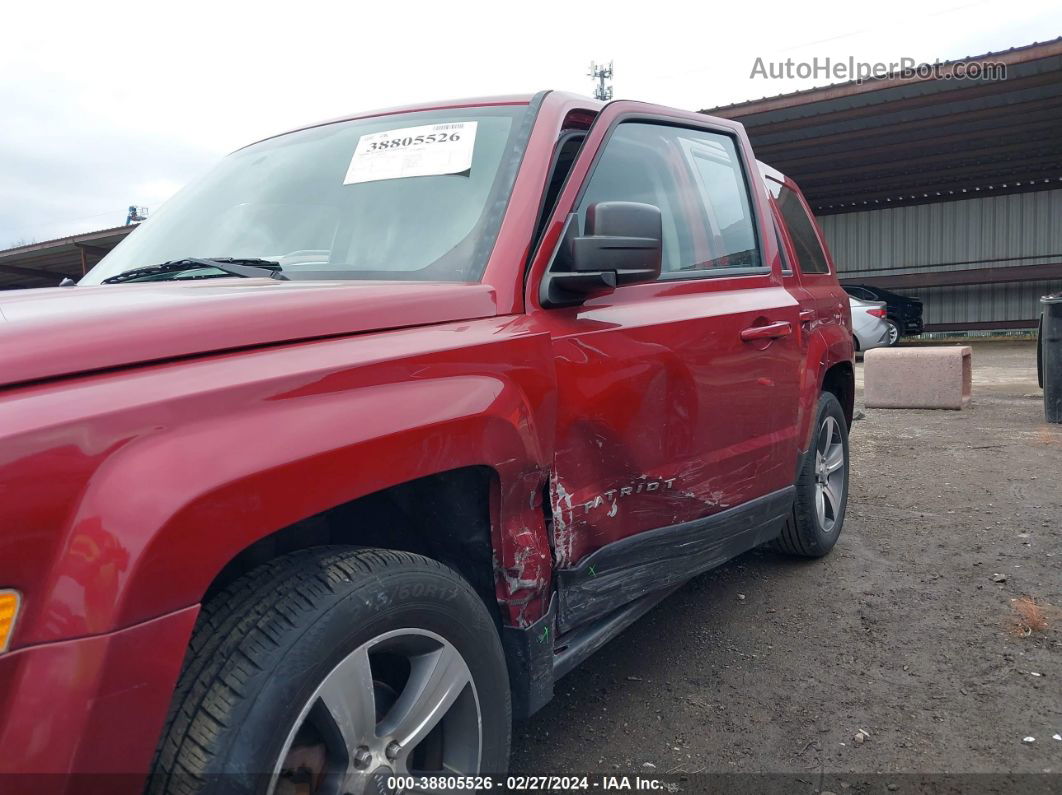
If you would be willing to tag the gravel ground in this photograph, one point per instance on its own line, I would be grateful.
(773, 665)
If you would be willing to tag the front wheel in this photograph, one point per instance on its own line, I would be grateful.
(334, 670)
(822, 486)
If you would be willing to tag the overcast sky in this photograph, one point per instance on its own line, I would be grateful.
(107, 104)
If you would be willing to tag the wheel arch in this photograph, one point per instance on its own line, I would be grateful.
(840, 381)
(828, 367)
(459, 494)
(445, 516)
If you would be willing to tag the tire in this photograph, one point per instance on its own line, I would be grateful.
(805, 532)
(286, 647)
(895, 331)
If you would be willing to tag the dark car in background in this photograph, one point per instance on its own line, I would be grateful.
(903, 314)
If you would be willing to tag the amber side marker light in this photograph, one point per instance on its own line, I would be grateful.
(9, 604)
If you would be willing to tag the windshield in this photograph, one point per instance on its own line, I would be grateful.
(406, 196)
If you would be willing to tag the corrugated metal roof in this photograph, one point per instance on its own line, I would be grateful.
(902, 140)
(808, 96)
(47, 263)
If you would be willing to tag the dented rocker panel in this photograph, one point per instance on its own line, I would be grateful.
(633, 567)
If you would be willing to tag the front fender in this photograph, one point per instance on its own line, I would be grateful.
(177, 485)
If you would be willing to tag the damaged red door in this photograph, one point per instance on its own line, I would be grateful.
(677, 398)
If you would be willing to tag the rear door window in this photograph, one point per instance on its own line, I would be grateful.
(787, 268)
(810, 256)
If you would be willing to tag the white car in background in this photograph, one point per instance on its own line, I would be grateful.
(868, 324)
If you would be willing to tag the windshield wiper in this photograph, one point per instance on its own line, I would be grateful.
(248, 268)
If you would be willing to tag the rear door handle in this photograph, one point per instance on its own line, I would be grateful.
(807, 315)
(771, 331)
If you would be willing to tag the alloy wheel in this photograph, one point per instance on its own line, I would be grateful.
(829, 474)
(402, 704)
(894, 333)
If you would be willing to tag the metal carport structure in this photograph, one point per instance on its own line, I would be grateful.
(47, 263)
(949, 189)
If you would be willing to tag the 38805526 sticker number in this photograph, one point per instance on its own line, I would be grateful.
(430, 138)
(427, 150)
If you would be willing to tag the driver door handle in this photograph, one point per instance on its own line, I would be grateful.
(771, 331)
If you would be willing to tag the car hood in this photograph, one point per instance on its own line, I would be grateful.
(57, 331)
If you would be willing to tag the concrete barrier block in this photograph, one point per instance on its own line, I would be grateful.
(917, 378)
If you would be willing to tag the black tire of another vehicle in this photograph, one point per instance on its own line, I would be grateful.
(804, 533)
(264, 647)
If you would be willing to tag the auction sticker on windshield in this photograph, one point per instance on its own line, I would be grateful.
(429, 150)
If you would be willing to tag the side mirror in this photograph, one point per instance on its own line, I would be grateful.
(622, 245)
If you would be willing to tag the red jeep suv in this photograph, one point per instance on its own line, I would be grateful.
(345, 457)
